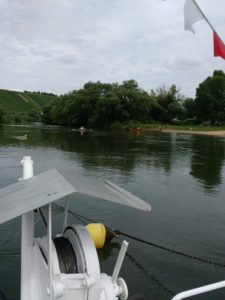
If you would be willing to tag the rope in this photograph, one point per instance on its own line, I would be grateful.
(118, 232)
(43, 217)
(76, 215)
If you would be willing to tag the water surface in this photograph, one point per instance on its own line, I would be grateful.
(181, 176)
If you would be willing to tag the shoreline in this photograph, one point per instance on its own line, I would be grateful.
(219, 133)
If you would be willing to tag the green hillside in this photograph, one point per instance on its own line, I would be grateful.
(22, 102)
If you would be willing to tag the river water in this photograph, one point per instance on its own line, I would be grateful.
(182, 176)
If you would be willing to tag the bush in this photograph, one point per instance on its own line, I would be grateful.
(116, 126)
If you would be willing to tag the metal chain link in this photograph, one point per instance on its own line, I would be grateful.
(218, 264)
(118, 232)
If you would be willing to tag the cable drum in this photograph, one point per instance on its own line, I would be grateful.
(66, 255)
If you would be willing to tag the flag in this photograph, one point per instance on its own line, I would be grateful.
(192, 14)
(219, 47)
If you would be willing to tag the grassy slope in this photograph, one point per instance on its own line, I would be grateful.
(12, 101)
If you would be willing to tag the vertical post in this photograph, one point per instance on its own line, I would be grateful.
(27, 237)
(119, 261)
(204, 16)
(65, 213)
(50, 248)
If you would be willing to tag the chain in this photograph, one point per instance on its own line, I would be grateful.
(218, 264)
(118, 232)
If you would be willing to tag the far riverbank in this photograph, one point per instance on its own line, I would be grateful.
(220, 133)
(195, 129)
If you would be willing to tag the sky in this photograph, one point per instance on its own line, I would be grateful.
(59, 45)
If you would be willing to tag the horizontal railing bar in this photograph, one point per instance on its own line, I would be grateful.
(200, 290)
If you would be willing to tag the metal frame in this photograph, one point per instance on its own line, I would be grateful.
(200, 290)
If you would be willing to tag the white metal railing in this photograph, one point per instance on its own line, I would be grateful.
(200, 290)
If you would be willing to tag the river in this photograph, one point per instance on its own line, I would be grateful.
(181, 176)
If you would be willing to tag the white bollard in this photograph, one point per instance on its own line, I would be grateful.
(27, 164)
(27, 236)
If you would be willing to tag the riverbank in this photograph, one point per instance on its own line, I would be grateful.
(195, 129)
(219, 133)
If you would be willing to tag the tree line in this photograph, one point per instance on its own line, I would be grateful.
(105, 105)
(19, 117)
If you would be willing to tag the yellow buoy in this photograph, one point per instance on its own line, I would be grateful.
(98, 233)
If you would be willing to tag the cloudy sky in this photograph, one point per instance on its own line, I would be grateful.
(58, 45)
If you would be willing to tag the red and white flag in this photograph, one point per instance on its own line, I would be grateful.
(192, 14)
(219, 47)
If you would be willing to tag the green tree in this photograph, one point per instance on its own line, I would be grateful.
(189, 107)
(103, 104)
(2, 113)
(108, 110)
(58, 112)
(210, 98)
(169, 102)
(45, 118)
(135, 101)
(80, 105)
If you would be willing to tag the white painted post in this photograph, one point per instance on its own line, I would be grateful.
(50, 249)
(200, 290)
(27, 239)
(66, 206)
(27, 164)
(119, 261)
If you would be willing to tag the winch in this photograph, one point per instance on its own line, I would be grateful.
(65, 266)
(75, 267)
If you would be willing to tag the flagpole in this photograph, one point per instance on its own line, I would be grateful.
(210, 25)
(193, 14)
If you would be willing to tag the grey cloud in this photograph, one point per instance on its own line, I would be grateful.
(67, 59)
(60, 45)
(185, 62)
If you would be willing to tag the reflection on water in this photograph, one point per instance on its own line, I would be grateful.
(207, 160)
(182, 176)
(123, 152)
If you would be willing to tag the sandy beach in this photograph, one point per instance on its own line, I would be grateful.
(219, 133)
